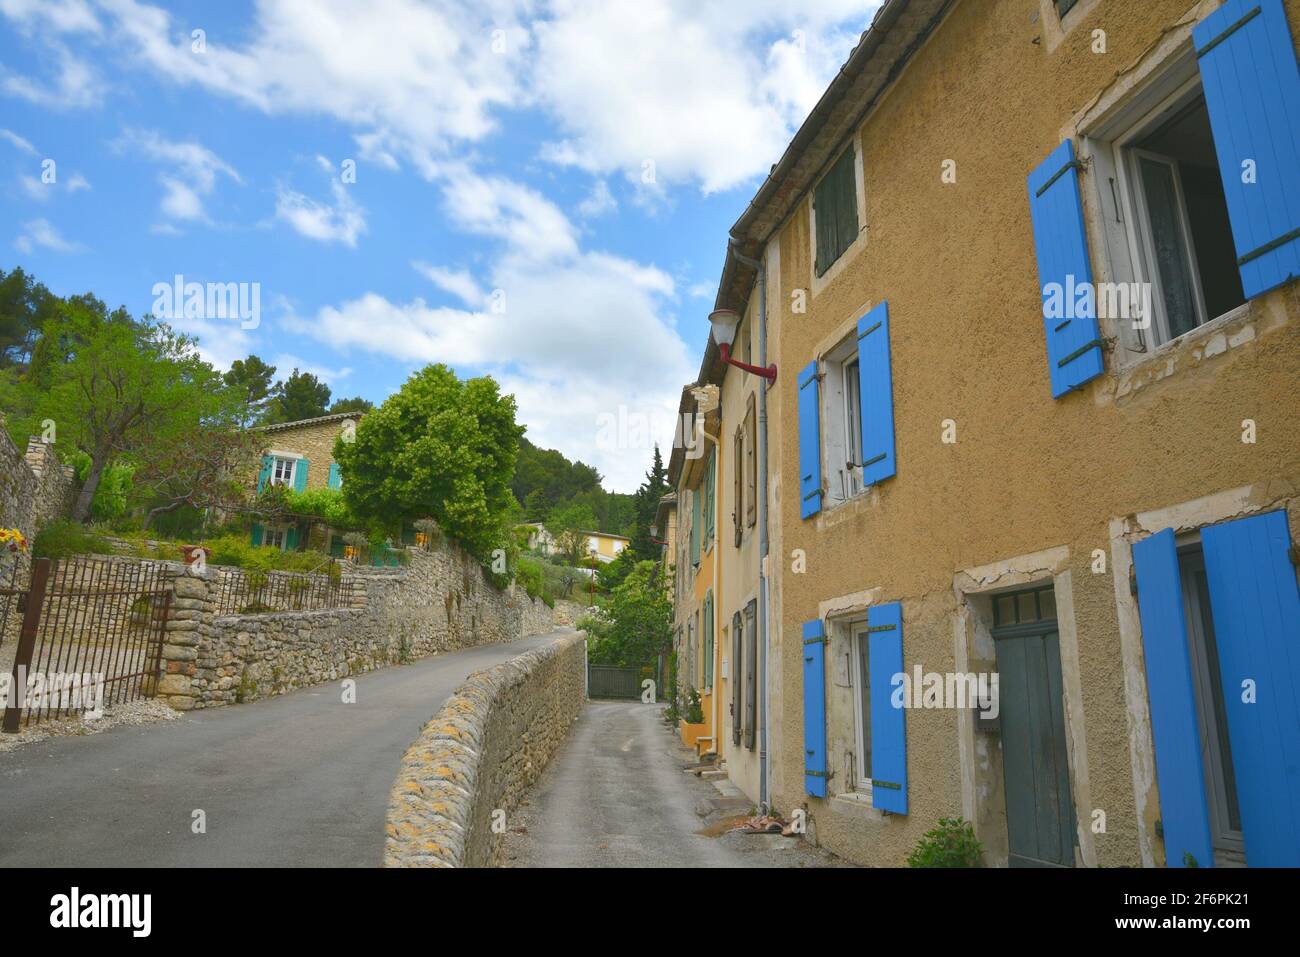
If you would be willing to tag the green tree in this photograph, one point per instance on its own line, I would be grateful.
(118, 388)
(639, 621)
(355, 404)
(569, 526)
(25, 304)
(440, 448)
(251, 379)
(647, 499)
(301, 396)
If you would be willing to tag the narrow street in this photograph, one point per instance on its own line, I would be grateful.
(617, 795)
(301, 779)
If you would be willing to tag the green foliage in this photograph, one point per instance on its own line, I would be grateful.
(1189, 860)
(646, 501)
(25, 304)
(951, 844)
(545, 480)
(529, 575)
(112, 496)
(250, 380)
(326, 504)
(62, 539)
(691, 711)
(640, 621)
(439, 448)
(237, 550)
(301, 396)
(355, 404)
(569, 526)
(610, 575)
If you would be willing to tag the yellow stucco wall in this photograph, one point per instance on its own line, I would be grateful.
(1028, 473)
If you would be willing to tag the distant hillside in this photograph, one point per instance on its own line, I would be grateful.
(544, 479)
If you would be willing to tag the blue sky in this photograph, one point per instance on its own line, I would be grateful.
(542, 189)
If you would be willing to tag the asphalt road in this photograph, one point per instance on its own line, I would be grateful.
(296, 780)
(617, 795)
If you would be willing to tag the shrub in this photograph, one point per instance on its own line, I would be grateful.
(64, 538)
(951, 844)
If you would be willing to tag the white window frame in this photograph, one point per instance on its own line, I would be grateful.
(857, 632)
(1114, 206)
(276, 536)
(842, 423)
(276, 461)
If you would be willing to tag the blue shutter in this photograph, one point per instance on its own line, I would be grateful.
(1179, 770)
(264, 476)
(291, 538)
(300, 476)
(888, 729)
(1252, 91)
(810, 443)
(876, 394)
(335, 479)
(257, 533)
(814, 708)
(1073, 343)
(1256, 608)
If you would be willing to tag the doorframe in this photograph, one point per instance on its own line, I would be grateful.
(973, 650)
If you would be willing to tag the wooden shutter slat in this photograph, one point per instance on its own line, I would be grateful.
(876, 396)
(888, 725)
(1061, 243)
(1256, 607)
(810, 451)
(1252, 93)
(814, 708)
(1180, 772)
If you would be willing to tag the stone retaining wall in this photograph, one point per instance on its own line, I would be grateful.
(473, 762)
(441, 601)
(35, 488)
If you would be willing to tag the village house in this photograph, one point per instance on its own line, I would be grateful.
(1028, 275)
(300, 456)
(602, 546)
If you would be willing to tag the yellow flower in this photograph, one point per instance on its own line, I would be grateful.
(12, 540)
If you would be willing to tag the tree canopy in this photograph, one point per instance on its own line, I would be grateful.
(439, 448)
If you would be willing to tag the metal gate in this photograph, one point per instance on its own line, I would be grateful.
(85, 633)
(605, 681)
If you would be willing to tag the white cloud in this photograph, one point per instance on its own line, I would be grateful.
(76, 85)
(34, 188)
(190, 176)
(599, 201)
(458, 282)
(285, 363)
(41, 233)
(18, 141)
(341, 222)
(62, 16)
(530, 224)
(707, 92)
(77, 182)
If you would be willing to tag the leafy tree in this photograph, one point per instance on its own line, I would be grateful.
(612, 574)
(639, 621)
(251, 379)
(535, 507)
(200, 468)
(301, 396)
(647, 499)
(117, 389)
(439, 448)
(569, 526)
(113, 495)
(355, 404)
(25, 304)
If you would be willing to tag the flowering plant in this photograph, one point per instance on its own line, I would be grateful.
(12, 540)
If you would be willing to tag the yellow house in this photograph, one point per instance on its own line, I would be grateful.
(603, 546)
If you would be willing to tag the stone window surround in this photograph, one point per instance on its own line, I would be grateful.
(1183, 518)
(1161, 72)
(974, 589)
(1056, 27)
(818, 283)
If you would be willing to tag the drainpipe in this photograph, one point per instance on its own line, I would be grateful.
(760, 268)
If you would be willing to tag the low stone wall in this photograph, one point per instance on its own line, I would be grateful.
(473, 762)
(440, 602)
(35, 488)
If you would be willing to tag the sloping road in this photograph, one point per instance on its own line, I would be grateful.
(297, 780)
(616, 795)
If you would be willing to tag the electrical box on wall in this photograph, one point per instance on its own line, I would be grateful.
(985, 723)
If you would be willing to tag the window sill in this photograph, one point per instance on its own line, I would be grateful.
(1239, 327)
(857, 803)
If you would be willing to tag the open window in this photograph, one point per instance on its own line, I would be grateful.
(861, 680)
(842, 415)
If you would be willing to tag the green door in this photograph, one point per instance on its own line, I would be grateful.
(1036, 771)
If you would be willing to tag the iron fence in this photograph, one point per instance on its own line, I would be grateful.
(89, 636)
(244, 592)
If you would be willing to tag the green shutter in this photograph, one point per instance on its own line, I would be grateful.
(711, 499)
(291, 539)
(264, 476)
(835, 206)
(335, 479)
(300, 476)
(697, 520)
(708, 642)
(336, 546)
(257, 534)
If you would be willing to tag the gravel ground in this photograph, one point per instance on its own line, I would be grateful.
(618, 795)
(142, 711)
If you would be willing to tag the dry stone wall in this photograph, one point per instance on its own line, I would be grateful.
(474, 761)
(35, 488)
(441, 601)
